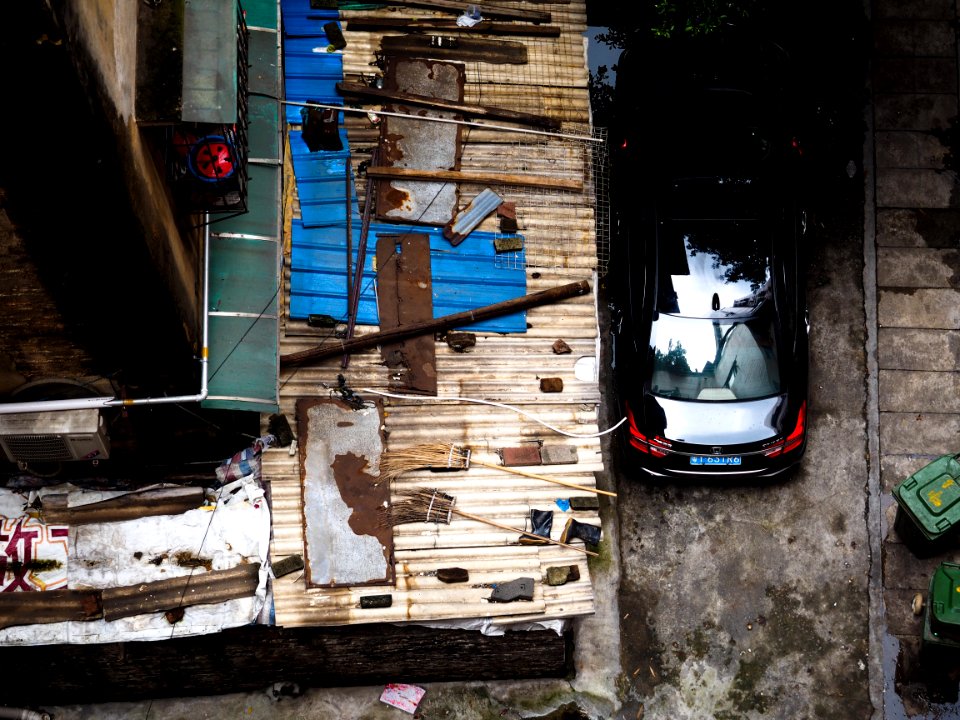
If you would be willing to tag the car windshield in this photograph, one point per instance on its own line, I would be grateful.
(714, 359)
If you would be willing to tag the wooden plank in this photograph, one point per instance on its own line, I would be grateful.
(484, 27)
(478, 177)
(456, 6)
(253, 657)
(481, 111)
(445, 47)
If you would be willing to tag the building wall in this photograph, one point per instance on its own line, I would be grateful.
(103, 38)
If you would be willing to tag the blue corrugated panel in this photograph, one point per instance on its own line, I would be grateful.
(321, 181)
(464, 277)
(312, 79)
(310, 72)
(299, 19)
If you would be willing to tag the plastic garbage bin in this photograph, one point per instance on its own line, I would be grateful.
(941, 617)
(928, 507)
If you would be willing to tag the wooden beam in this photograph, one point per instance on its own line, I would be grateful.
(456, 6)
(498, 52)
(540, 181)
(446, 322)
(253, 657)
(481, 111)
(484, 27)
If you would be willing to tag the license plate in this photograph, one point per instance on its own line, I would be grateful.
(714, 460)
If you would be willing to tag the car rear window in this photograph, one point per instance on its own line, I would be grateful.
(714, 359)
(715, 268)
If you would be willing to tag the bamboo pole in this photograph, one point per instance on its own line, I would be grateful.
(524, 473)
(494, 523)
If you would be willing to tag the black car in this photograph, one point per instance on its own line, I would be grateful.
(707, 271)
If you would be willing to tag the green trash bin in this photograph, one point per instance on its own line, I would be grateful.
(941, 616)
(928, 507)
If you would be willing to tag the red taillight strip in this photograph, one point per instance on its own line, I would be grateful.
(794, 439)
(641, 442)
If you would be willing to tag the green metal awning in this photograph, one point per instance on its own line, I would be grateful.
(245, 250)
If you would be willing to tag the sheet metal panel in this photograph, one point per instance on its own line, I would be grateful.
(321, 182)
(309, 75)
(295, 18)
(465, 277)
(262, 13)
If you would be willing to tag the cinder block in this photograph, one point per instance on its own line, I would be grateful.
(558, 455)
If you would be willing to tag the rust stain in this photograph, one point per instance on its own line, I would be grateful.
(395, 199)
(363, 493)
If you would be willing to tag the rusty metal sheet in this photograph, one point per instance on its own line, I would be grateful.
(405, 297)
(203, 588)
(340, 449)
(420, 144)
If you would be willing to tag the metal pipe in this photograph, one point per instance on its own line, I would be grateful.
(103, 401)
(430, 118)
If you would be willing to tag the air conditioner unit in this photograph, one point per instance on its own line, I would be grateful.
(54, 436)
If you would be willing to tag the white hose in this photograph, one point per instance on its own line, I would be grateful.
(21, 714)
(499, 405)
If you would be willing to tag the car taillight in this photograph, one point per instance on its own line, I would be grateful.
(794, 439)
(653, 446)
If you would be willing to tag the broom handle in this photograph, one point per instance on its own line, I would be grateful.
(471, 516)
(515, 471)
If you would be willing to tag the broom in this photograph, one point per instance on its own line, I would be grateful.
(455, 457)
(423, 505)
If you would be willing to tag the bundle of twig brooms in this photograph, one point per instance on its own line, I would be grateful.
(449, 456)
(429, 505)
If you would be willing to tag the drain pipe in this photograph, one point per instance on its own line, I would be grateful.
(103, 402)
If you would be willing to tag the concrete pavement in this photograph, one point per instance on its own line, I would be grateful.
(917, 280)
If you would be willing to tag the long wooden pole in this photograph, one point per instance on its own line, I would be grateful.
(488, 10)
(446, 322)
(541, 181)
(557, 481)
(478, 518)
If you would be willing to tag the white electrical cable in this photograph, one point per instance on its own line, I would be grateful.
(495, 404)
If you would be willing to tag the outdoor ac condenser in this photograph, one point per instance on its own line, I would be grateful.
(54, 436)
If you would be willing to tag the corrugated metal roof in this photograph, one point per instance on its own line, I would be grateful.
(311, 69)
(560, 247)
(464, 277)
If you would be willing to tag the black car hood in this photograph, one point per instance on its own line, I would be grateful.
(716, 423)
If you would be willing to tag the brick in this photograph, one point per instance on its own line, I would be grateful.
(519, 456)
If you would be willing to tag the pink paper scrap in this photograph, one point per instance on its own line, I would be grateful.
(405, 697)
